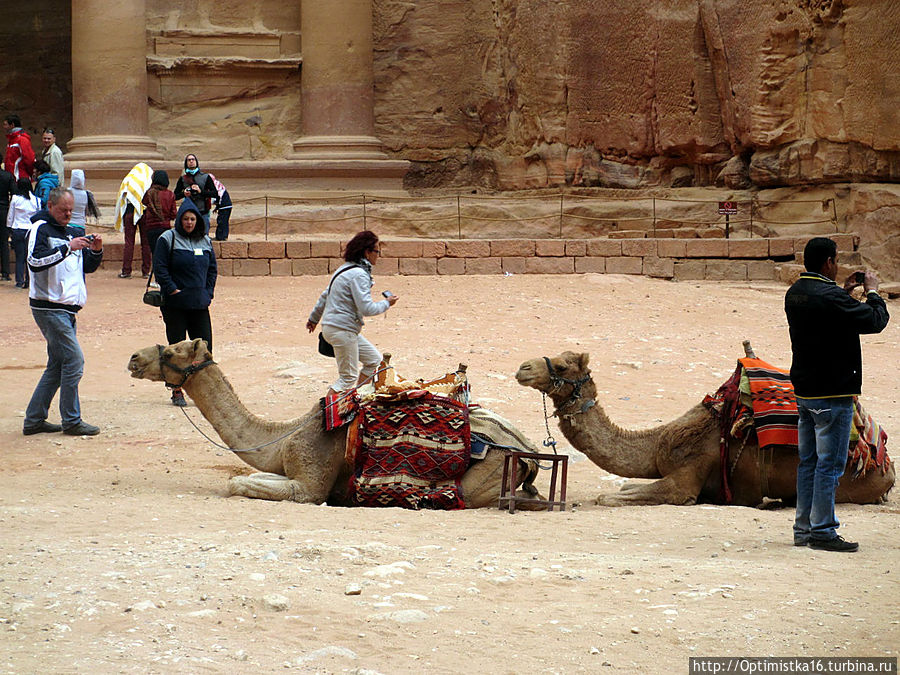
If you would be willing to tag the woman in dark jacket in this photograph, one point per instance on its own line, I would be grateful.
(185, 267)
(159, 208)
(196, 186)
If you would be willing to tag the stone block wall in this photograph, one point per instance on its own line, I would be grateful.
(756, 259)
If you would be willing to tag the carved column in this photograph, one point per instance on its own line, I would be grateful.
(337, 81)
(109, 82)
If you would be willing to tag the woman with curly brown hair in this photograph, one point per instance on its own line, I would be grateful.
(341, 308)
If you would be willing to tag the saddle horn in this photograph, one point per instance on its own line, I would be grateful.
(748, 350)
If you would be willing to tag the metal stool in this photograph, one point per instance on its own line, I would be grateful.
(510, 470)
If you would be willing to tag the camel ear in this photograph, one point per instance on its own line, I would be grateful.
(199, 348)
(583, 359)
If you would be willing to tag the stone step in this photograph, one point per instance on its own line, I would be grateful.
(680, 259)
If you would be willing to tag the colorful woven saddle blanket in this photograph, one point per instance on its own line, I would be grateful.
(761, 396)
(772, 400)
(409, 450)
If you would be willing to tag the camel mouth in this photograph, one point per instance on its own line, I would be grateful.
(136, 369)
(524, 377)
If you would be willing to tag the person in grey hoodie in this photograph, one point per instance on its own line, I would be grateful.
(341, 308)
(84, 201)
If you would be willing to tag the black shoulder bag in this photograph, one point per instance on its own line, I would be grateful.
(325, 347)
(154, 297)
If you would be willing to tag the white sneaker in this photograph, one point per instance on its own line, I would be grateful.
(155, 285)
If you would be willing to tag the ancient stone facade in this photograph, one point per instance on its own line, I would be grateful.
(495, 94)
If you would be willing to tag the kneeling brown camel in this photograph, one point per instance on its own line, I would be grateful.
(297, 460)
(682, 454)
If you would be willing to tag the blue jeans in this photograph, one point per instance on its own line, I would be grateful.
(65, 365)
(824, 439)
(20, 247)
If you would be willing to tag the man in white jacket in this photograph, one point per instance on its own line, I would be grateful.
(58, 260)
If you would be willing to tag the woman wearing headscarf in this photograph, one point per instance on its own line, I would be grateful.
(22, 206)
(84, 201)
(196, 185)
(185, 267)
(341, 308)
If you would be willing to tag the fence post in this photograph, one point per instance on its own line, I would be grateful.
(752, 202)
(654, 217)
(266, 220)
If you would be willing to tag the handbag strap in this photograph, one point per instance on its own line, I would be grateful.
(339, 273)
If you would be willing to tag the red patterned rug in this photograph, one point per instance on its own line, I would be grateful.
(411, 453)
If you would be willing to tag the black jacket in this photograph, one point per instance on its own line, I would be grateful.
(208, 192)
(186, 263)
(7, 190)
(825, 324)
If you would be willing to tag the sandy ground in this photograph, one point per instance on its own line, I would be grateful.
(122, 554)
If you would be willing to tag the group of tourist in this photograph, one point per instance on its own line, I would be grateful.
(47, 222)
(180, 257)
(26, 182)
(825, 321)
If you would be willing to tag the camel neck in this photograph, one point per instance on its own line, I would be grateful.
(236, 426)
(620, 451)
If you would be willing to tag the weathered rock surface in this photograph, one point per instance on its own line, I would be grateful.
(620, 95)
(505, 94)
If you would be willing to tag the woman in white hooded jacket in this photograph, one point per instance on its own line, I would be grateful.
(84, 201)
(23, 205)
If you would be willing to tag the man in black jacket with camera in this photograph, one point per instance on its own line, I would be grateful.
(826, 371)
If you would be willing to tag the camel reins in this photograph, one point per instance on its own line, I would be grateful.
(312, 418)
(184, 372)
(557, 382)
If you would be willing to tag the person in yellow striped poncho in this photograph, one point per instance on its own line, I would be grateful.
(128, 203)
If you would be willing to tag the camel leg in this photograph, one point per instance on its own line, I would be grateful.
(271, 486)
(873, 488)
(681, 488)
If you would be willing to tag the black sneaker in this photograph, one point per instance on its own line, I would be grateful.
(82, 429)
(838, 544)
(44, 427)
(801, 541)
(124, 275)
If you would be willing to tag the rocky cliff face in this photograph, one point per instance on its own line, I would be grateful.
(526, 93)
(512, 94)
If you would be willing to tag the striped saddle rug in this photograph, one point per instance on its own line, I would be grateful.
(773, 402)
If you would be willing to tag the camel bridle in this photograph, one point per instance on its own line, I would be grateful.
(556, 384)
(184, 372)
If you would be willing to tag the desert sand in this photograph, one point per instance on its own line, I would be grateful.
(122, 553)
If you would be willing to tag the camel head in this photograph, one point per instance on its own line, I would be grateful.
(168, 364)
(567, 368)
